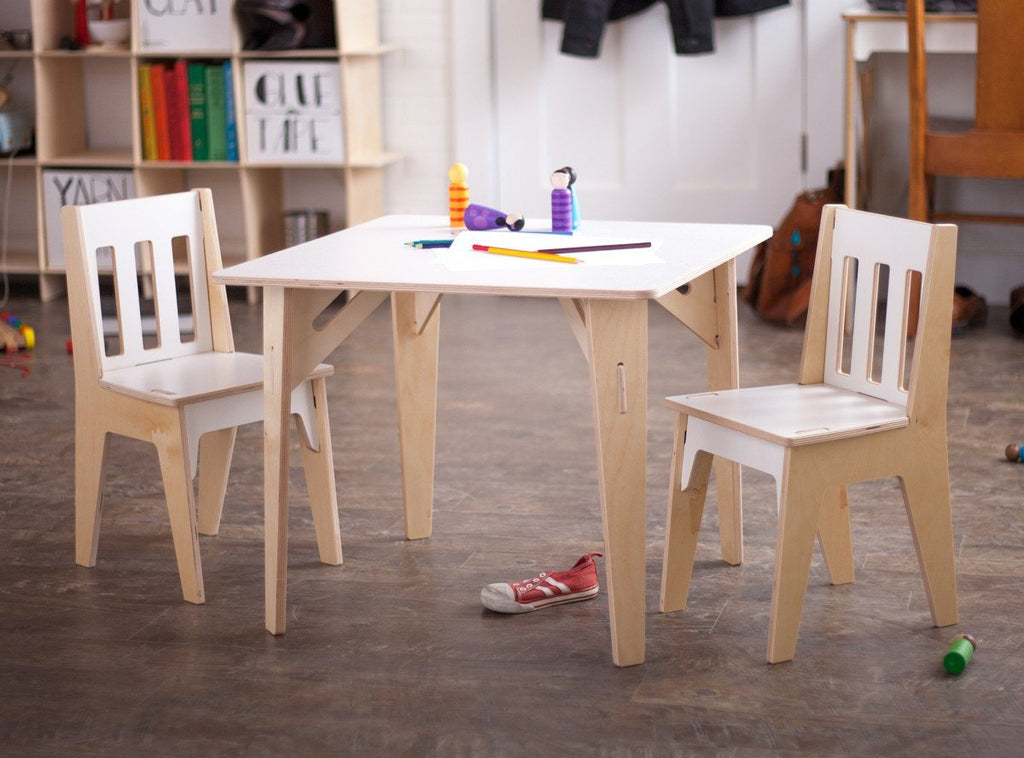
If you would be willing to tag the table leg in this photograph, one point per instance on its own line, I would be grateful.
(416, 333)
(724, 373)
(849, 121)
(617, 341)
(277, 400)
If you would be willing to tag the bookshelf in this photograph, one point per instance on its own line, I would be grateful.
(89, 136)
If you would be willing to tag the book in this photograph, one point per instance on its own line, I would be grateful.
(149, 152)
(163, 134)
(197, 111)
(173, 114)
(78, 186)
(293, 112)
(182, 121)
(190, 25)
(216, 117)
(230, 120)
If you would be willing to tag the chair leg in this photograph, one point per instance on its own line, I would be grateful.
(90, 475)
(834, 535)
(926, 497)
(682, 526)
(799, 510)
(215, 451)
(319, 468)
(730, 510)
(174, 468)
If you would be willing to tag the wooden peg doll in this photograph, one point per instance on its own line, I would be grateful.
(561, 202)
(575, 196)
(458, 193)
(480, 218)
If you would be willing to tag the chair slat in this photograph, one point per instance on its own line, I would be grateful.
(155, 222)
(872, 241)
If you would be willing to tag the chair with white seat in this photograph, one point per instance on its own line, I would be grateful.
(181, 389)
(869, 404)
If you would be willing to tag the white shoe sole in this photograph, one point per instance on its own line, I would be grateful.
(499, 598)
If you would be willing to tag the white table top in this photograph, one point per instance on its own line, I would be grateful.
(374, 256)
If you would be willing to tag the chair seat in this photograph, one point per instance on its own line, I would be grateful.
(194, 378)
(793, 414)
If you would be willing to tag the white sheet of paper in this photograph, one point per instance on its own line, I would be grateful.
(462, 257)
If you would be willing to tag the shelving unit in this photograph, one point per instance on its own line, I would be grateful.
(85, 108)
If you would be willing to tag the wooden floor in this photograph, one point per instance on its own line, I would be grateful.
(391, 653)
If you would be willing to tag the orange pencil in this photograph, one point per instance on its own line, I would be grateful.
(525, 254)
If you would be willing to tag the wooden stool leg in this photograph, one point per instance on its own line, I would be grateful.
(323, 494)
(215, 451)
(926, 496)
(798, 521)
(181, 509)
(90, 474)
(682, 527)
(834, 535)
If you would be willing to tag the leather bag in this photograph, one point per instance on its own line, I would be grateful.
(779, 284)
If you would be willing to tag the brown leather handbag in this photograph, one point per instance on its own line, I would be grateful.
(779, 284)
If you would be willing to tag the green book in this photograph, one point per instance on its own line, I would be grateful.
(216, 113)
(197, 110)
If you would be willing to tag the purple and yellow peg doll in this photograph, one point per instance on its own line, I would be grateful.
(458, 193)
(561, 202)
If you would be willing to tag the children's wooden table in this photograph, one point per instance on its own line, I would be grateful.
(689, 269)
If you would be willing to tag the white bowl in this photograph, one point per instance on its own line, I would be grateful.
(112, 33)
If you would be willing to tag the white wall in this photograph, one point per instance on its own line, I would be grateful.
(418, 102)
(420, 122)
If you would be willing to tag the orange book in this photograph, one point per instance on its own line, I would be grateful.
(163, 132)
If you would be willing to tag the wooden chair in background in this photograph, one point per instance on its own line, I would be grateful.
(866, 407)
(175, 388)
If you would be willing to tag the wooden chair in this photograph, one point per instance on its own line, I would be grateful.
(869, 404)
(180, 389)
(993, 145)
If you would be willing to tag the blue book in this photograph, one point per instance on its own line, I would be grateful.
(231, 123)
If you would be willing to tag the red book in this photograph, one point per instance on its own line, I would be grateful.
(163, 134)
(182, 122)
(173, 114)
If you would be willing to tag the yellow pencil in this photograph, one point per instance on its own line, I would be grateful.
(525, 254)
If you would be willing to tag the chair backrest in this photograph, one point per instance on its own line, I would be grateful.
(858, 319)
(129, 241)
(999, 93)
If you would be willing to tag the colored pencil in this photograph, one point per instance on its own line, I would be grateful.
(588, 248)
(430, 243)
(525, 254)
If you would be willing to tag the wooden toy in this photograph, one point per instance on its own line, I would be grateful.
(458, 193)
(575, 197)
(561, 202)
(960, 652)
(16, 335)
(480, 218)
(1015, 453)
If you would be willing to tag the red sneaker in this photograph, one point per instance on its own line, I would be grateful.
(546, 589)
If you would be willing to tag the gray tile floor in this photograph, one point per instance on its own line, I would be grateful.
(391, 654)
